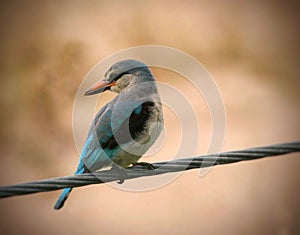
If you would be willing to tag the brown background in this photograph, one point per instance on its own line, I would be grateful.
(251, 48)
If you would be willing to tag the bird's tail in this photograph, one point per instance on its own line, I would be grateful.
(65, 194)
(62, 198)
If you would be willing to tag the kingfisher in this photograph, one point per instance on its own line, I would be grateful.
(126, 127)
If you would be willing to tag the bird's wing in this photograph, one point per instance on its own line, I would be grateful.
(101, 144)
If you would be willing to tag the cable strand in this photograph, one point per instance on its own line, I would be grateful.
(159, 168)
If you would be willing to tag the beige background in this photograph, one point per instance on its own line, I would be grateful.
(251, 49)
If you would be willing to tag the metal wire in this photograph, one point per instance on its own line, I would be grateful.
(139, 171)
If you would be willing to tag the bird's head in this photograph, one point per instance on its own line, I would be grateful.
(121, 76)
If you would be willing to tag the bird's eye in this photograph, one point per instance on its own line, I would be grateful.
(120, 75)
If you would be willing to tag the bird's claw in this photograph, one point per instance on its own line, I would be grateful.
(121, 173)
(123, 176)
(146, 165)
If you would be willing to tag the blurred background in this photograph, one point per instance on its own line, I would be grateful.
(251, 49)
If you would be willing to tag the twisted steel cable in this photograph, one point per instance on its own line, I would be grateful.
(159, 168)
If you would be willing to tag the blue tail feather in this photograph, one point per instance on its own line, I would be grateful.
(62, 198)
(65, 194)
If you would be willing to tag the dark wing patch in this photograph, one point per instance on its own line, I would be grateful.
(135, 123)
(138, 120)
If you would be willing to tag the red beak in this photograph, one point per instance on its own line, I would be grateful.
(99, 87)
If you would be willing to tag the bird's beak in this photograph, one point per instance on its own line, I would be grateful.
(99, 87)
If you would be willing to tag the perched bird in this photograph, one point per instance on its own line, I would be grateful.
(126, 127)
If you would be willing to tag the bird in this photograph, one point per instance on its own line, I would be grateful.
(126, 127)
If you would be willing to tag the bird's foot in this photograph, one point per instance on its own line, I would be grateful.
(121, 173)
(146, 165)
